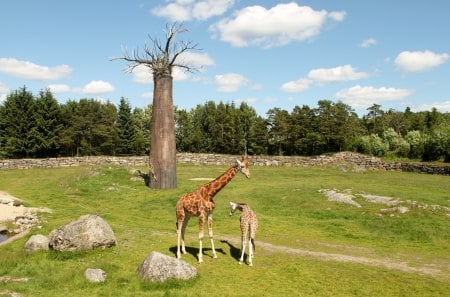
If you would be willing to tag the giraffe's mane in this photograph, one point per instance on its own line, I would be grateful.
(210, 182)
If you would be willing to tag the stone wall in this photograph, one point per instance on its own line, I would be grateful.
(343, 159)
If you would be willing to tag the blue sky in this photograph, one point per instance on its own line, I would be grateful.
(266, 53)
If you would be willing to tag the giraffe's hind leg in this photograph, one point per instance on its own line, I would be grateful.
(243, 244)
(251, 249)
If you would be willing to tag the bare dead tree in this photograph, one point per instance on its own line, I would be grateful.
(161, 58)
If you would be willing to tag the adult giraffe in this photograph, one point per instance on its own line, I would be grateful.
(200, 203)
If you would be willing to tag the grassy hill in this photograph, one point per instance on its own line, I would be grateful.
(306, 245)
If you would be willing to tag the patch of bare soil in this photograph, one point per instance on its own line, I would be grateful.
(23, 218)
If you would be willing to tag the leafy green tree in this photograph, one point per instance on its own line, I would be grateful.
(303, 122)
(141, 123)
(437, 145)
(416, 142)
(372, 145)
(279, 131)
(70, 136)
(90, 128)
(17, 120)
(374, 120)
(397, 145)
(105, 136)
(258, 139)
(338, 124)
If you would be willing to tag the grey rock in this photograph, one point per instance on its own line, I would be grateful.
(36, 243)
(95, 275)
(86, 233)
(3, 229)
(158, 267)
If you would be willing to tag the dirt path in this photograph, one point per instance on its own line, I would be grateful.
(377, 262)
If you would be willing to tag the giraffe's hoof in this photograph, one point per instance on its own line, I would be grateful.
(240, 262)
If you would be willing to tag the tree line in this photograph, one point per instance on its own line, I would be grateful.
(38, 126)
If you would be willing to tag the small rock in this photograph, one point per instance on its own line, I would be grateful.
(94, 275)
(3, 229)
(36, 243)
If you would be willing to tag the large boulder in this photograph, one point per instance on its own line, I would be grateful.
(158, 267)
(86, 233)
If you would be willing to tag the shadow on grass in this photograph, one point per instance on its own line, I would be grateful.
(234, 251)
(194, 251)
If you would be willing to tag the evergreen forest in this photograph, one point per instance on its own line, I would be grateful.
(39, 127)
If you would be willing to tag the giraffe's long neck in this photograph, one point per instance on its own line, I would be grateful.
(216, 185)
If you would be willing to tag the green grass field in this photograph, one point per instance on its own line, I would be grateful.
(305, 245)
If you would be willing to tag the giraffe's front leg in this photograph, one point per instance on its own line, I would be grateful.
(200, 239)
(183, 232)
(211, 235)
(178, 240)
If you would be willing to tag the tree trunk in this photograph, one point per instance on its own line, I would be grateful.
(163, 146)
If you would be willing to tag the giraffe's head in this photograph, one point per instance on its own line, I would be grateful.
(233, 207)
(242, 166)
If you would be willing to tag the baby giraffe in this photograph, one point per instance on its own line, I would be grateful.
(249, 225)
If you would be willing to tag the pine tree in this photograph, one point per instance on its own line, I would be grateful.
(17, 119)
(127, 133)
(45, 134)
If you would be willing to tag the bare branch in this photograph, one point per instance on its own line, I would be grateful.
(161, 59)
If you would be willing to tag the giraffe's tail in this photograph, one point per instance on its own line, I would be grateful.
(253, 243)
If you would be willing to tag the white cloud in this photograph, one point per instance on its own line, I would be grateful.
(368, 42)
(270, 100)
(420, 61)
(195, 60)
(246, 100)
(340, 73)
(296, 86)
(142, 74)
(323, 76)
(277, 26)
(205, 9)
(441, 106)
(97, 87)
(230, 82)
(4, 91)
(337, 16)
(363, 97)
(185, 10)
(28, 70)
(59, 88)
